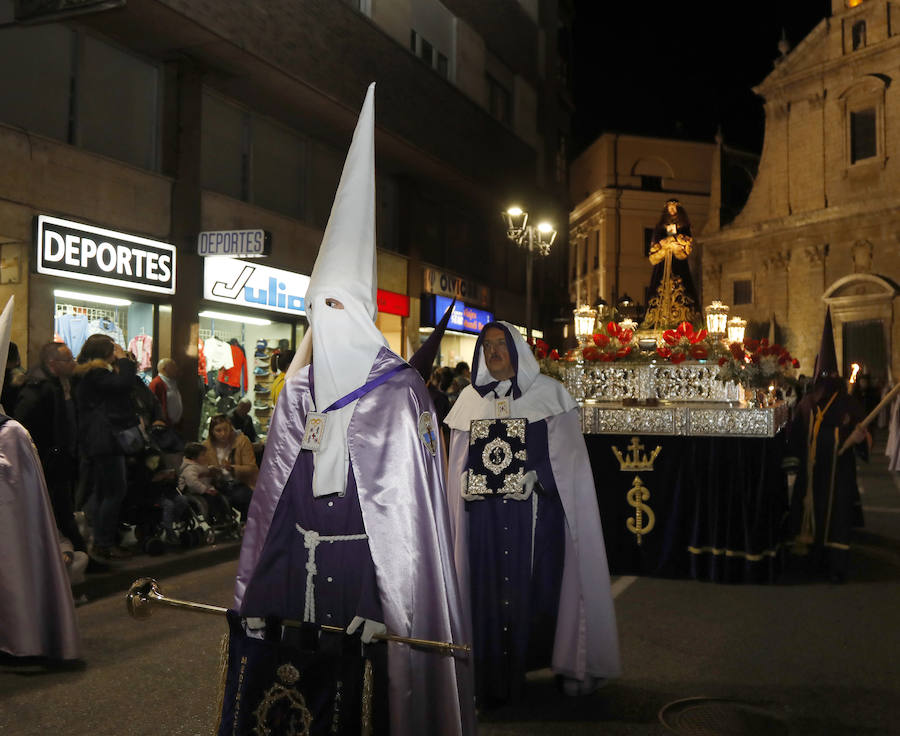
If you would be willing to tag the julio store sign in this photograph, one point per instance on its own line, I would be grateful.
(75, 251)
(247, 284)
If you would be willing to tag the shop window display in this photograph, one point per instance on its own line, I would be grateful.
(129, 323)
(237, 363)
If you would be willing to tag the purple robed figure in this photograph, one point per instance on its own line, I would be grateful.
(37, 614)
(352, 530)
(529, 545)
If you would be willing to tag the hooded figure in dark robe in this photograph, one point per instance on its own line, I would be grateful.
(528, 537)
(348, 526)
(825, 504)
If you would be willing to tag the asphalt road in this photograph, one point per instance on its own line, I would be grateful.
(805, 658)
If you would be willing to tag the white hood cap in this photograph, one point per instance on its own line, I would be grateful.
(345, 342)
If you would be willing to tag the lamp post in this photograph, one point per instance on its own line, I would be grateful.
(533, 238)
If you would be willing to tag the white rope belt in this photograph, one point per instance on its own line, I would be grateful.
(311, 540)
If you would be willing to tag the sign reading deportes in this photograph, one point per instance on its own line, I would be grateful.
(76, 251)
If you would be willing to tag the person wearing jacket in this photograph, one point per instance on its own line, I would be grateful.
(232, 452)
(103, 399)
(46, 408)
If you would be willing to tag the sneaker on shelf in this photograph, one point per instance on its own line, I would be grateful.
(261, 389)
(260, 404)
(260, 371)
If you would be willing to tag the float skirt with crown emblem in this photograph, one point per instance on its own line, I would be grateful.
(688, 476)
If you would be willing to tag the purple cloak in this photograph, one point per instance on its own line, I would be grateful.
(37, 614)
(404, 511)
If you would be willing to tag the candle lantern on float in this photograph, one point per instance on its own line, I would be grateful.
(717, 320)
(736, 327)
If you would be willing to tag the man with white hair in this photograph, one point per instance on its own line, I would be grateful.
(529, 544)
(165, 387)
(348, 526)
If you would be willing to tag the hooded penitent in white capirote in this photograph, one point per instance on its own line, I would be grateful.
(345, 341)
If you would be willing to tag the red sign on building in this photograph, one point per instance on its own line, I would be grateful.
(390, 302)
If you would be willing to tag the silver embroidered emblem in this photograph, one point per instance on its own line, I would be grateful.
(427, 432)
(497, 455)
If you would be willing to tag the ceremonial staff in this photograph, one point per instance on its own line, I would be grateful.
(145, 591)
(871, 416)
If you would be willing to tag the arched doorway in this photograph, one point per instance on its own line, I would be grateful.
(862, 314)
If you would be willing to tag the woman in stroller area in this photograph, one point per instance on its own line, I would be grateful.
(232, 454)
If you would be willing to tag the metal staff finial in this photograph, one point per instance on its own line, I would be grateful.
(144, 592)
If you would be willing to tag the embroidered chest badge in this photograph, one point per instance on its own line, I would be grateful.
(427, 432)
(315, 431)
(497, 457)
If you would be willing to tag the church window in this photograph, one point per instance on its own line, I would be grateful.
(858, 35)
(863, 140)
(651, 183)
(743, 292)
(648, 241)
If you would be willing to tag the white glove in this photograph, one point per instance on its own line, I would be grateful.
(529, 480)
(370, 628)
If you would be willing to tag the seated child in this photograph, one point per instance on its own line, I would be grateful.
(195, 476)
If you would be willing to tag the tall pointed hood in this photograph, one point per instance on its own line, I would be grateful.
(5, 330)
(341, 302)
(423, 358)
(826, 360)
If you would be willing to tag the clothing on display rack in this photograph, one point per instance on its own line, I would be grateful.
(105, 326)
(236, 376)
(218, 354)
(142, 347)
(201, 361)
(72, 329)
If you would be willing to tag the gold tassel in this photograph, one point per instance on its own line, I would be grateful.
(368, 686)
(223, 677)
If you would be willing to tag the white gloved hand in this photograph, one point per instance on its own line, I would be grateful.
(526, 485)
(370, 628)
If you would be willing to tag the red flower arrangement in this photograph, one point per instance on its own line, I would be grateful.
(542, 350)
(756, 363)
(612, 344)
(683, 343)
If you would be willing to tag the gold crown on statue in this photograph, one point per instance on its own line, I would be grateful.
(636, 460)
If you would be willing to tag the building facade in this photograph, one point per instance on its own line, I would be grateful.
(620, 185)
(820, 227)
(145, 125)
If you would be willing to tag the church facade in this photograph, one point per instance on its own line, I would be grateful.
(821, 226)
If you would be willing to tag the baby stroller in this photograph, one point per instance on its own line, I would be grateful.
(213, 518)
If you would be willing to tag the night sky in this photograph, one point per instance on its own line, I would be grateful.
(679, 69)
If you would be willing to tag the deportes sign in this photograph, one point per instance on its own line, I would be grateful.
(87, 253)
(234, 243)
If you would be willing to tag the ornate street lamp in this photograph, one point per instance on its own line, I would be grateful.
(534, 239)
(717, 319)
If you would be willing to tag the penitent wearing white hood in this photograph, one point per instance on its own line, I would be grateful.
(341, 304)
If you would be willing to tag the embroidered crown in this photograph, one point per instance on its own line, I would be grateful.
(636, 460)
